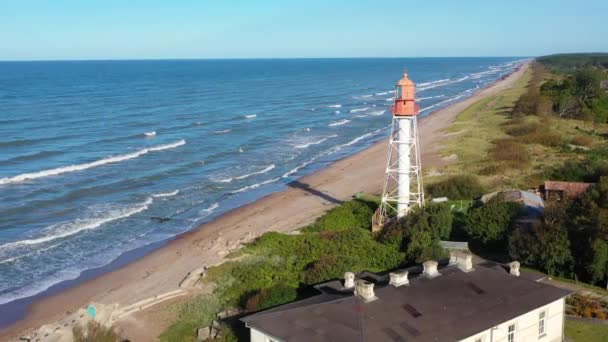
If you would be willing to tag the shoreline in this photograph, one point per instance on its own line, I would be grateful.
(138, 275)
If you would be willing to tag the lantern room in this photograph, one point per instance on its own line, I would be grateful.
(405, 93)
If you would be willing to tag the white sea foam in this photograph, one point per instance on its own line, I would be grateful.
(209, 210)
(429, 97)
(166, 194)
(316, 142)
(266, 169)
(222, 131)
(389, 99)
(382, 93)
(256, 185)
(69, 228)
(150, 134)
(359, 110)
(250, 116)
(440, 83)
(335, 106)
(442, 102)
(339, 123)
(306, 145)
(377, 112)
(80, 167)
(336, 112)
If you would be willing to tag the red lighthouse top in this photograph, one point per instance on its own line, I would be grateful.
(405, 93)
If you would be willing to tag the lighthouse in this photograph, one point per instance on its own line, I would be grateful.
(403, 180)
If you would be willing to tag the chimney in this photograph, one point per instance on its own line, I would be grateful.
(365, 290)
(514, 268)
(463, 260)
(430, 269)
(399, 278)
(349, 280)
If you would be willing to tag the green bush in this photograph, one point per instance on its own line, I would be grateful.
(522, 128)
(351, 214)
(269, 297)
(489, 223)
(329, 267)
(457, 187)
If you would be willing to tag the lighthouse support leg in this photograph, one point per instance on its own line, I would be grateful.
(404, 148)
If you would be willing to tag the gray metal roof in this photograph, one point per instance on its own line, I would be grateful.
(453, 306)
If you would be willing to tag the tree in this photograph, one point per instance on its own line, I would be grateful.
(490, 222)
(418, 234)
(541, 245)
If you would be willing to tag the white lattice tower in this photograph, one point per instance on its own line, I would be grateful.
(403, 188)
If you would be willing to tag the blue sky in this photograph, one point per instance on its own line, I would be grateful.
(137, 29)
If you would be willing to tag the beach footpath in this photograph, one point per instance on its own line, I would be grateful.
(133, 297)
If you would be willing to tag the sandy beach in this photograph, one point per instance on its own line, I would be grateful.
(306, 199)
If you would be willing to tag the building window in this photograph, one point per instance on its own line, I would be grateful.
(511, 334)
(542, 323)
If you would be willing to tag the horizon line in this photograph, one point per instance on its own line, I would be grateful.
(239, 58)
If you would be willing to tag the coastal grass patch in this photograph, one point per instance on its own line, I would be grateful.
(509, 147)
(277, 268)
(585, 332)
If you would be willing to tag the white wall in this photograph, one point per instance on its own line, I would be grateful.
(258, 336)
(526, 326)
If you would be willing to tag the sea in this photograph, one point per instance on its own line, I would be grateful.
(101, 158)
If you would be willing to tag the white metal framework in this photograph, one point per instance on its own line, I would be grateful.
(403, 181)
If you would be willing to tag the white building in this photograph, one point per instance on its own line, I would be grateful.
(454, 303)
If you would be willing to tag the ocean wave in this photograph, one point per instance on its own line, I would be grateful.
(382, 93)
(332, 150)
(430, 97)
(389, 99)
(359, 110)
(256, 185)
(210, 209)
(339, 123)
(317, 142)
(80, 167)
(442, 102)
(250, 116)
(266, 169)
(66, 229)
(440, 83)
(423, 84)
(377, 112)
(336, 112)
(28, 157)
(335, 106)
(222, 131)
(166, 194)
(150, 134)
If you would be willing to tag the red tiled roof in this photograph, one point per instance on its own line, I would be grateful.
(572, 189)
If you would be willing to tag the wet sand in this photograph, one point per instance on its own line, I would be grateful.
(162, 270)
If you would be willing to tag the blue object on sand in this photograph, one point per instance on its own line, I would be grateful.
(91, 310)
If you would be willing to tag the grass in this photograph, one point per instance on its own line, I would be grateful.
(586, 332)
(508, 152)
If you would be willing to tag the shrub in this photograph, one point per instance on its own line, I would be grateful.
(545, 138)
(269, 297)
(94, 332)
(541, 246)
(329, 267)
(351, 214)
(490, 222)
(457, 187)
(582, 140)
(510, 151)
(522, 128)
